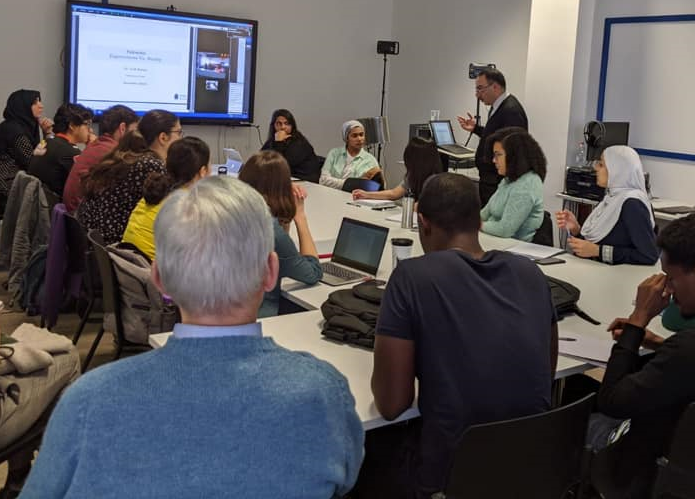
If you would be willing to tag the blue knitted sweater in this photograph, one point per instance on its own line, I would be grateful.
(234, 416)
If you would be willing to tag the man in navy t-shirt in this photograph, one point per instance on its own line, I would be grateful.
(477, 329)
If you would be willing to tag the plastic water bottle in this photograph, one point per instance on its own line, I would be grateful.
(580, 158)
(407, 215)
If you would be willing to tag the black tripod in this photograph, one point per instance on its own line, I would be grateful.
(477, 121)
(381, 111)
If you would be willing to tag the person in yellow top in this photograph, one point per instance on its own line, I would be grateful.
(187, 162)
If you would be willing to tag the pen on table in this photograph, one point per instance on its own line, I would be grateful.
(354, 204)
(565, 338)
(382, 208)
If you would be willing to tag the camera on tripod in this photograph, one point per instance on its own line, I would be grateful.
(474, 69)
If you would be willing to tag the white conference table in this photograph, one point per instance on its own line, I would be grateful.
(302, 332)
(607, 292)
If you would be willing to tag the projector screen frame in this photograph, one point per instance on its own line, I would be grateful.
(191, 118)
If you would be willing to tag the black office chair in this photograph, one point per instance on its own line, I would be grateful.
(676, 473)
(53, 198)
(351, 184)
(91, 282)
(65, 266)
(532, 456)
(111, 300)
(544, 234)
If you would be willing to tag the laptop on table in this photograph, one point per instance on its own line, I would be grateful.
(356, 254)
(443, 136)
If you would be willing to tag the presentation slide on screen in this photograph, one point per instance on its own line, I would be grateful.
(236, 90)
(138, 62)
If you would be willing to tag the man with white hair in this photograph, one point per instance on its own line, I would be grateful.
(220, 410)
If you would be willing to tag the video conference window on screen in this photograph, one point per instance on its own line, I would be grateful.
(201, 68)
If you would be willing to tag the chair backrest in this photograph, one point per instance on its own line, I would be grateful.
(676, 475)
(109, 285)
(78, 244)
(56, 265)
(52, 198)
(65, 263)
(544, 234)
(351, 184)
(27, 197)
(532, 456)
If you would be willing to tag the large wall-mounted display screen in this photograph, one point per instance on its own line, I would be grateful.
(200, 67)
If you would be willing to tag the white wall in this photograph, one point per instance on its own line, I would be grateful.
(549, 81)
(316, 57)
(438, 39)
(669, 178)
(581, 107)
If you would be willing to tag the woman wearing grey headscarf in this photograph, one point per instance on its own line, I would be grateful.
(350, 161)
(620, 229)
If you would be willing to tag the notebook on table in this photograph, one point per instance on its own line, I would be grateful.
(443, 136)
(356, 254)
(676, 210)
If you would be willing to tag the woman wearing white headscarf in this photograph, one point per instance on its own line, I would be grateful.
(350, 161)
(620, 229)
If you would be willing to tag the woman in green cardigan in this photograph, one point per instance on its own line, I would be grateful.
(516, 208)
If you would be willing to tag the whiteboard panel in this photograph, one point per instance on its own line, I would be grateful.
(648, 66)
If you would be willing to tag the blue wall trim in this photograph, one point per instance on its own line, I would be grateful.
(665, 154)
(609, 22)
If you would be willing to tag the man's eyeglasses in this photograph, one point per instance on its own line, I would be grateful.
(480, 88)
(178, 131)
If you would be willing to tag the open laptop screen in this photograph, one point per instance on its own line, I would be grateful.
(442, 132)
(359, 245)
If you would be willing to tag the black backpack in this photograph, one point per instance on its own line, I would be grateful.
(351, 314)
(565, 297)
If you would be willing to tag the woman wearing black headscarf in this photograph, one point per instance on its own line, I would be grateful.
(19, 135)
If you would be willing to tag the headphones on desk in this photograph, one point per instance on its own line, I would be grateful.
(594, 132)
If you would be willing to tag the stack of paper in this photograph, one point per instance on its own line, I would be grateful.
(535, 251)
(375, 203)
(583, 346)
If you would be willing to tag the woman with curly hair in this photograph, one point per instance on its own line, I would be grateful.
(516, 208)
(114, 187)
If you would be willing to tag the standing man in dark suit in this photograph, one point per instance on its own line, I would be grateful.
(505, 110)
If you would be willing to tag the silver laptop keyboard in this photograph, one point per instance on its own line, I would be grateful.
(342, 272)
(456, 149)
